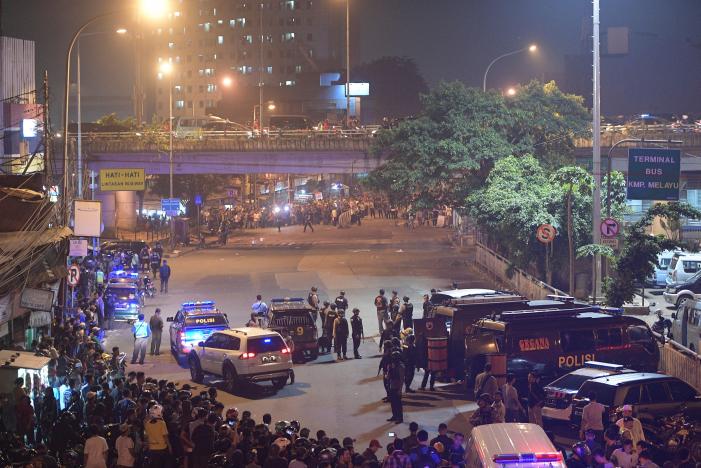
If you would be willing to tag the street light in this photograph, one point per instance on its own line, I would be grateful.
(152, 8)
(511, 92)
(270, 107)
(166, 69)
(531, 48)
(121, 31)
(227, 82)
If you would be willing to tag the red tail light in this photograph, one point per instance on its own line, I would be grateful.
(285, 350)
(247, 356)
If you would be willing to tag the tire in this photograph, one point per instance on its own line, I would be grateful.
(313, 354)
(230, 378)
(196, 373)
(681, 300)
(279, 383)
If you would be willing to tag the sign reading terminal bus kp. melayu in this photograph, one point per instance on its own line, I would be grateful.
(653, 174)
(121, 179)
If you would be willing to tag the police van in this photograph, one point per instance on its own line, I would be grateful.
(686, 325)
(459, 313)
(519, 445)
(294, 315)
(553, 342)
(194, 322)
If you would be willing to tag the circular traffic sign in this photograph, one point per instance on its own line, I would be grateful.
(609, 227)
(546, 233)
(73, 275)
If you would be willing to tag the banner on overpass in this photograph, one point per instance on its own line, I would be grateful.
(122, 179)
(653, 174)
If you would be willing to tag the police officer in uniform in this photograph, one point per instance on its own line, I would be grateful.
(340, 336)
(341, 302)
(407, 312)
(356, 332)
(141, 331)
(313, 300)
(331, 316)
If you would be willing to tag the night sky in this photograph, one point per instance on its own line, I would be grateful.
(449, 39)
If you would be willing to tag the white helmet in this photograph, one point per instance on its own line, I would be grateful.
(156, 411)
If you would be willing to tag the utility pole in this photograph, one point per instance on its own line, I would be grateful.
(596, 153)
(47, 133)
(348, 71)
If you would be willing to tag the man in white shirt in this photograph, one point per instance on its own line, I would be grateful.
(513, 405)
(125, 448)
(95, 450)
(593, 418)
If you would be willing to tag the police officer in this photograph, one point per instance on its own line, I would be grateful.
(410, 356)
(155, 259)
(356, 332)
(313, 300)
(156, 326)
(341, 302)
(331, 316)
(396, 381)
(141, 331)
(340, 336)
(407, 312)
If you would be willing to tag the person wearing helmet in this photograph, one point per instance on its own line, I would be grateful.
(406, 310)
(396, 382)
(340, 336)
(341, 301)
(157, 441)
(579, 457)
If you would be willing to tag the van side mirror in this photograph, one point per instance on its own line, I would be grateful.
(169, 319)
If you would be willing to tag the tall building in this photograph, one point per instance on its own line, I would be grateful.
(279, 43)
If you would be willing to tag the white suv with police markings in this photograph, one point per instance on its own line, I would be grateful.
(242, 355)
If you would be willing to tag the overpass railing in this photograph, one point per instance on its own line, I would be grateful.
(230, 141)
(690, 138)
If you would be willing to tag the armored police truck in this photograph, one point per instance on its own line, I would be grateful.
(555, 341)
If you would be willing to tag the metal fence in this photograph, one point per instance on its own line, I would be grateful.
(680, 362)
(520, 281)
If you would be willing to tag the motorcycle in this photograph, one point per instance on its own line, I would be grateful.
(149, 288)
(662, 325)
(677, 431)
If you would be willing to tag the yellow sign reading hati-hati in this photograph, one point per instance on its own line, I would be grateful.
(122, 179)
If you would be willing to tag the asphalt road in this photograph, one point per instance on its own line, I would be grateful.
(342, 398)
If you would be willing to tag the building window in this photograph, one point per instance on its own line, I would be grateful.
(176, 14)
(207, 27)
(177, 59)
(290, 4)
(220, 40)
(211, 88)
(209, 72)
(291, 21)
(298, 68)
(189, 104)
(178, 88)
(248, 39)
(269, 70)
(290, 83)
(189, 88)
(200, 72)
(179, 104)
(288, 36)
(232, 23)
(220, 21)
(171, 45)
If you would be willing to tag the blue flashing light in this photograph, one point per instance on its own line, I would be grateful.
(192, 305)
(194, 335)
(267, 340)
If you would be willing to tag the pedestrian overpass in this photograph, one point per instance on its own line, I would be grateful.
(285, 153)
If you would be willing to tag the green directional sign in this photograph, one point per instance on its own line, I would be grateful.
(653, 174)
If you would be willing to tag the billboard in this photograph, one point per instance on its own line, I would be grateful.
(122, 179)
(653, 174)
(87, 218)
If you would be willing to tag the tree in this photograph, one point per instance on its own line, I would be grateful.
(449, 149)
(640, 251)
(572, 179)
(395, 86)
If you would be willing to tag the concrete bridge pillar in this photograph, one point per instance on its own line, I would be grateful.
(126, 205)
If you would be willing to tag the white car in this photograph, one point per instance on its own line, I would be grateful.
(512, 444)
(242, 355)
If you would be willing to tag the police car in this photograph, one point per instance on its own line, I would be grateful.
(193, 323)
(126, 300)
